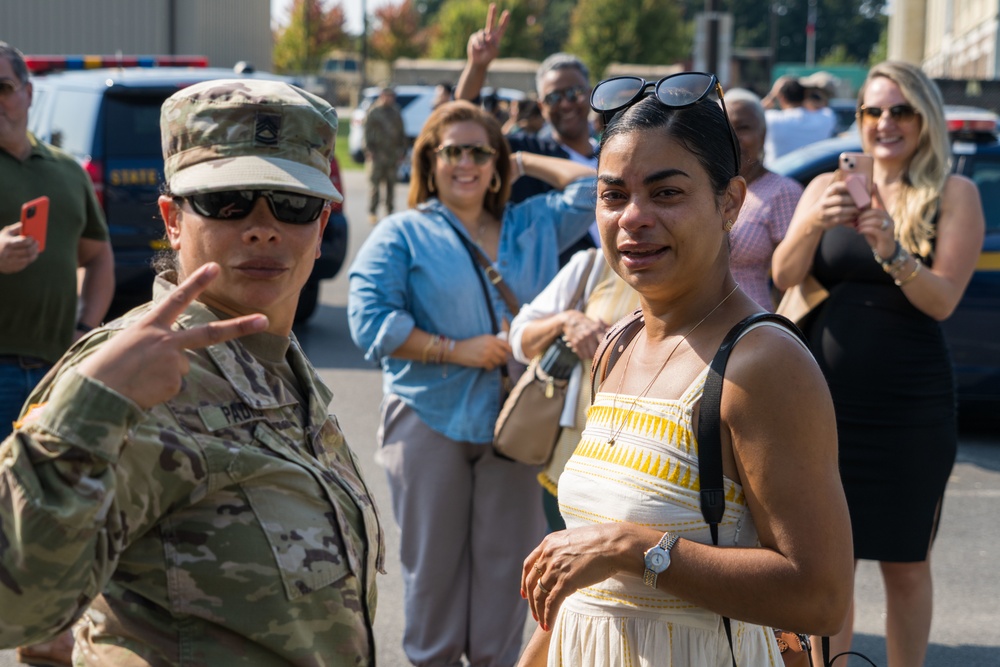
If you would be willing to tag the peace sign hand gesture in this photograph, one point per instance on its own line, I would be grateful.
(147, 361)
(484, 45)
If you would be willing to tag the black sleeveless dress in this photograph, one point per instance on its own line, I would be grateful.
(893, 390)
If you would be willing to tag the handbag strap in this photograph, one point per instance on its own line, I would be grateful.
(713, 499)
(577, 299)
(480, 259)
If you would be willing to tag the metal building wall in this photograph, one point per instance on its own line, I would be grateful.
(226, 31)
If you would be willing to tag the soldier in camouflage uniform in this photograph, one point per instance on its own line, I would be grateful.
(385, 146)
(180, 489)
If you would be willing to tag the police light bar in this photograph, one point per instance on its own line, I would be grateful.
(44, 64)
(971, 125)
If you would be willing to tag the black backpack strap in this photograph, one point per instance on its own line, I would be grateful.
(615, 341)
(713, 498)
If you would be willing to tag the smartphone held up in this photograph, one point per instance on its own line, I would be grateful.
(856, 172)
(35, 220)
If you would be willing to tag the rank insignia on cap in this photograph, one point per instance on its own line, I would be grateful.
(266, 129)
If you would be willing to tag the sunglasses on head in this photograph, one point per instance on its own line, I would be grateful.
(573, 94)
(901, 113)
(8, 88)
(676, 91)
(289, 207)
(480, 153)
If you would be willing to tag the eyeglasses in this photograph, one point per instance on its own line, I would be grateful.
(8, 88)
(900, 113)
(573, 94)
(676, 91)
(453, 153)
(288, 207)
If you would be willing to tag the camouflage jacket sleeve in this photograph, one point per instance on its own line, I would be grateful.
(59, 539)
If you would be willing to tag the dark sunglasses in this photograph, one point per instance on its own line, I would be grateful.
(289, 207)
(900, 113)
(676, 91)
(480, 154)
(573, 94)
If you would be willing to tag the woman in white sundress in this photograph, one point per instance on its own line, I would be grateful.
(635, 578)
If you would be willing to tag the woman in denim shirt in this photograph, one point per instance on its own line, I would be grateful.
(468, 518)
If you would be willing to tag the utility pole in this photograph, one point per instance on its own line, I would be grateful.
(364, 45)
(712, 36)
(811, 34)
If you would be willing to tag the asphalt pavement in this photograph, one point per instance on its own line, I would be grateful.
(966, 628)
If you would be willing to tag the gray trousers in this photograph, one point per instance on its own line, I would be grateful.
(468, 520)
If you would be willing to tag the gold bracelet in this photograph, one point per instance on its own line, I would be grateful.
(427, 348)
(913, 274)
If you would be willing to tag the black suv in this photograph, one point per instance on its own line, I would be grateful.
(971, 331)
(109, 120)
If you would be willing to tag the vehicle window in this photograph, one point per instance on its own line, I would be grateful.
(74, 117)
(986, 174)
(38, 99)
(133, 126)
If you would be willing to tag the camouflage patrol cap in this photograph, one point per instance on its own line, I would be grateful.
(248, 134)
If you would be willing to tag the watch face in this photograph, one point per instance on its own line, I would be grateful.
(657, 559)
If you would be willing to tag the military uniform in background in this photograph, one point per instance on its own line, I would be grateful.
(385, 143)
(145, 522)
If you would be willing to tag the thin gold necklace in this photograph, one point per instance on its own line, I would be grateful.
(621, 379)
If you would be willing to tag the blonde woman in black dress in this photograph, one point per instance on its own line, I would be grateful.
(894, 271)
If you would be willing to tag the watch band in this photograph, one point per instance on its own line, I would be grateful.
(666, 543)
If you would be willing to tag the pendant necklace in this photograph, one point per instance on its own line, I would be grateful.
(621, 380)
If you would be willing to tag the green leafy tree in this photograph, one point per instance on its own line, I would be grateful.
(460, 18)
(629, 31)
(398, 33)
(556, 17)
(315, 27)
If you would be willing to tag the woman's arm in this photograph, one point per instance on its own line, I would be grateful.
(556, 171)
(537, 651)
(824, 204)
(485, 351)
(936, 291)
(779, 442)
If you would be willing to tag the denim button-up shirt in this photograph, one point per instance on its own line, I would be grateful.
(413, 271)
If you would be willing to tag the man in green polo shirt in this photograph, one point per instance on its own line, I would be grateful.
(42, 310)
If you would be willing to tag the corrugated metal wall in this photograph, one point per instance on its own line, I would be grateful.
(226, 31)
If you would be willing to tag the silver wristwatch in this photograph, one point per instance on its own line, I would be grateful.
(658, 559)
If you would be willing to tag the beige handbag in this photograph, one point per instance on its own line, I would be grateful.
(802, 299)
(528, 426)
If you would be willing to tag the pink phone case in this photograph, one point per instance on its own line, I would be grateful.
(857, 187)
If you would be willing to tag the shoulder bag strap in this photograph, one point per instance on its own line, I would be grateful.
(576, 301)
(480, 259)
(615, 341)
(713, 499)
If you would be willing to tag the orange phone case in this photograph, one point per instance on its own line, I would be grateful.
(35, 220)
(856, 169)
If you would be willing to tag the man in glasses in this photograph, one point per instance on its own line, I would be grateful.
(563, 87)
(178, 488)
(792, 125)
(44, 308)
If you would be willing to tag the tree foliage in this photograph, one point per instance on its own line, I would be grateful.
(315, 27)
(458, 19)
(398, 32)
(629, 31)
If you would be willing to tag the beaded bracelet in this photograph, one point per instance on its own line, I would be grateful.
(898, 257)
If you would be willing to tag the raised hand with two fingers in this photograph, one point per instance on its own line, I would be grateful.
(147, 361)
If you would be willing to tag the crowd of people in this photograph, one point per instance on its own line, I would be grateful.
(174, 491)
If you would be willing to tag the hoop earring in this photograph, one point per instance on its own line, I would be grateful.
(729, 225)
(430, 182)
(495, 183)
